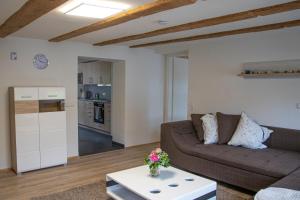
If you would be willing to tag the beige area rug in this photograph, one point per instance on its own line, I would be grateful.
(96, 191)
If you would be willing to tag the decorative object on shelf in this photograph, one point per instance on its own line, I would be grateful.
(265, 74)
(156, 159)
(40, 61)
(271, 69)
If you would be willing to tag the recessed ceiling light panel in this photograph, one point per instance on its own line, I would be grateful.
(93, 8)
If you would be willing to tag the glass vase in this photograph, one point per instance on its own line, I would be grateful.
(154, 172)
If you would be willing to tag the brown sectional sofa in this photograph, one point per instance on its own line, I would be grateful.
(278, 165)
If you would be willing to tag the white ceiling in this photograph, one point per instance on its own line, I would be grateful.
(56, 23)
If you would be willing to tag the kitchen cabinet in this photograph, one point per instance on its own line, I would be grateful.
(86, 115)
(105, 73)
(89, 113)
(38, 127)
(81, 112)
(107, 116)
(96, 72)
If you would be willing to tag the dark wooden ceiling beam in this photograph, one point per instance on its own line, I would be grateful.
(29, 12)
(226, 33)
(210, 22)
(131, 14)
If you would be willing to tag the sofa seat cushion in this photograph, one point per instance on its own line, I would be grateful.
(270, 162)
(292, 181)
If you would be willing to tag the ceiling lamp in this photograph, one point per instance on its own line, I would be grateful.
(93, 8)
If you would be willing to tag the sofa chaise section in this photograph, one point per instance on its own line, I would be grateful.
(246, 168)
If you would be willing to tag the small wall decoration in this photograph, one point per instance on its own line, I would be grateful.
(40, 61)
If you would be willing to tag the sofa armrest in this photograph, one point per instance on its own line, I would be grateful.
(285, 139)
(181, 127)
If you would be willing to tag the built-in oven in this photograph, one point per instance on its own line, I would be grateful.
(99, 112)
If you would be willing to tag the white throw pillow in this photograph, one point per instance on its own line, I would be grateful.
(249, 134)
(267, 133)
(210, 128)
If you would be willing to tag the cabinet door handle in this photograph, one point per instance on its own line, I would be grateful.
(26, 97)
(52, 95)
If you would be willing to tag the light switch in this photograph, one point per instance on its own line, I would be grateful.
(13, 56)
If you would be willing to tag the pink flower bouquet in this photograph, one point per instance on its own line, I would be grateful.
(156, 159)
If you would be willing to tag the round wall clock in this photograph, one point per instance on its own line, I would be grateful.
(40, 61)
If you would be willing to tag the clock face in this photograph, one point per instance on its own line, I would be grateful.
(40, 61)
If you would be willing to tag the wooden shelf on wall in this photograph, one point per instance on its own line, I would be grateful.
(271, 75)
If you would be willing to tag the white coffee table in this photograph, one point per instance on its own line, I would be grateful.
(171, 184)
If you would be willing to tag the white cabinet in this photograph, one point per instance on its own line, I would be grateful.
(49, 93)
(27, 141)
(38, 128)
(53, 141)
(25, 94)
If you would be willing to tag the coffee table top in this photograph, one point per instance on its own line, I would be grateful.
(172, 183)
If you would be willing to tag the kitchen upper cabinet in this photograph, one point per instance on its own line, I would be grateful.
(96, 72)
(106, 71)
(86, 70)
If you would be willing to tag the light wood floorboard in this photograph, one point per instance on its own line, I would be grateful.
(78, 172)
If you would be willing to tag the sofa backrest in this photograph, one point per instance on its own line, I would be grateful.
(283, 138)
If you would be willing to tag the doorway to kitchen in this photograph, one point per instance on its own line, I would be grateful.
(95, 105)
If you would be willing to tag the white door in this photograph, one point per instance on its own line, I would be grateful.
(27, 142)
(53, 140)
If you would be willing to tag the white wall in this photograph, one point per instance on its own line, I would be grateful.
(144, 98)
(118, 102)
(214, 85)
(143, 92)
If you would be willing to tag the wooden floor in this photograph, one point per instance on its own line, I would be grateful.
(81, 171)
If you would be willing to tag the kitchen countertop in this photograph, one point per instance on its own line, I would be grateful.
(95, 100)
